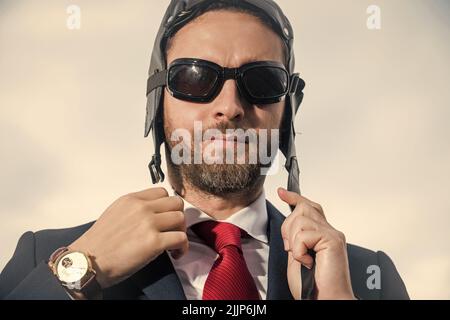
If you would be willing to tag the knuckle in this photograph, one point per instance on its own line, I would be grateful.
(341, 236)
(339, 239)
(131, 204)
(319, 207)
(178, 202)
(179, 217)
(126, 198)
(139, 205)
(182, 237)
(162, 192)
(302, 206)
(297, 254)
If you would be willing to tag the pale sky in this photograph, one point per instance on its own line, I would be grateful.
(373, 149)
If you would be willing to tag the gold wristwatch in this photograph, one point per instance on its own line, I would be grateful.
(74, 270)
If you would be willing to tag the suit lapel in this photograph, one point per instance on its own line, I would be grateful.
(277, 287)
(159, 281)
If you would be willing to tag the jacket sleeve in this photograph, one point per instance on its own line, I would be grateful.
(24, 278)
(392, 286)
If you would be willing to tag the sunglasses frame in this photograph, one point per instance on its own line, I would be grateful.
(224, 74)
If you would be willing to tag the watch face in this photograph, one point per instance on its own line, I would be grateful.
(72, 267)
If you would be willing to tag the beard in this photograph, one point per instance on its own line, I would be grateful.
(218, 179)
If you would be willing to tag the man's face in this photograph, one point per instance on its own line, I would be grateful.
(229, 39)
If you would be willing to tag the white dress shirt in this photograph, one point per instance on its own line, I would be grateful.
(193, 267)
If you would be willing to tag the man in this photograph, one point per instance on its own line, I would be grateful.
(225, 65)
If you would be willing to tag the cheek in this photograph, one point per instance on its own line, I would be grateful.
(270, 116)
(179, 114)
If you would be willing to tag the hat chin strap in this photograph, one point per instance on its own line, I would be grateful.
(308, 284)
(154, 167)
(293, 184)
(293, 175)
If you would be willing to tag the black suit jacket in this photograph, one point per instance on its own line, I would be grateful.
(27, 276)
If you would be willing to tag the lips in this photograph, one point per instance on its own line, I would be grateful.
(232, 138)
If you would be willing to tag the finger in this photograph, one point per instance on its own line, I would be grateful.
(294, 277)
(305, 209)
(174, 203)
(301, 210)
(151, 194)
(317, 206)
(285, 229)
(293, 199)
(302, 223)
(175, 241)
(170, 221)
(303, 241)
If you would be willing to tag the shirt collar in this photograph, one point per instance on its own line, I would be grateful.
(252, 219)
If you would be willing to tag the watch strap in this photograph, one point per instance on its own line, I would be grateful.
(91, 289)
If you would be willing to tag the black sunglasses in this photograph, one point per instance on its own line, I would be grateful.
(197, 80)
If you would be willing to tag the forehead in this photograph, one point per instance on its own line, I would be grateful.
(227, 38)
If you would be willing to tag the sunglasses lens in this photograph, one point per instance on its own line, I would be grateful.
(265, 82)
(192, 80)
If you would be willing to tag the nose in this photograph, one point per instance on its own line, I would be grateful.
(228, 105)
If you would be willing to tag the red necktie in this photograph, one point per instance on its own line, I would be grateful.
(229, 278)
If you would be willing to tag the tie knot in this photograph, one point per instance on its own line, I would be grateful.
(218, 235)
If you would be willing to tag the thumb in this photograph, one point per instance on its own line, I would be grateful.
(294, 277)
(291, 198)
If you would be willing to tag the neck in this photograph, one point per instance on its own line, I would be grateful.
(218, 207)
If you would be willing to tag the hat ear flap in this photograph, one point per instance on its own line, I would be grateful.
(155, 122)
(293, 100)
(296, 91)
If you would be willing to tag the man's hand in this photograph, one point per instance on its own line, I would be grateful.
(307, 228)
(134, 230)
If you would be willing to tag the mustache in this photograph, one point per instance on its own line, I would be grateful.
(219, 127)
(223, 126)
